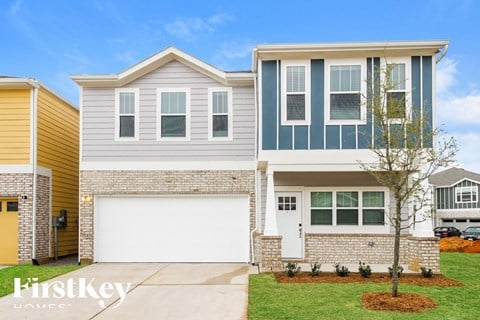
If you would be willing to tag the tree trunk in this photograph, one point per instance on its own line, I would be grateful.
(396, 249)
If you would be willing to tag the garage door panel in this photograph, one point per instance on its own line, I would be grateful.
(167, 229)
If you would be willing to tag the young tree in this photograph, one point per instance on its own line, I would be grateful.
(408, 149)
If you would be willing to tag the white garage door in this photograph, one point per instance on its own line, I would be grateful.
(171, 229)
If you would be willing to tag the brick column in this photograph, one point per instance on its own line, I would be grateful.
(424, 252)
(271, 248)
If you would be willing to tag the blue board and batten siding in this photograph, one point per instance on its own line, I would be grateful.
(445, 197)
(319, 135)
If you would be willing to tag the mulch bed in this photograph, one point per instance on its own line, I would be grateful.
(404, 302)
(457, 244)
(406, 278)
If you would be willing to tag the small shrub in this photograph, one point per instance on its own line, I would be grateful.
(315, 269)
(340, 270)
(399, 270)
(364, 270)
(426, 273)
(291, 269)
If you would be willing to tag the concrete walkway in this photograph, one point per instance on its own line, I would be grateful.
(157, 291)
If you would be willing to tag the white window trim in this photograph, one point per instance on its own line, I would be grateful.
(308, 94)
(408, 85)
(363, 90)
(136, 91)
(334, 228)
(230, 113)
(159, 114)
(458, 190)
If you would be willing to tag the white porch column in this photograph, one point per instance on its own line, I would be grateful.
(270, 214)
(424, 226)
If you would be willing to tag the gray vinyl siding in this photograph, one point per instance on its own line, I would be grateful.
(445, 197)
(98, 116)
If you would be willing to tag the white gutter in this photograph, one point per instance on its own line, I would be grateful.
(34, 104)
(257, 202)
(442, 54)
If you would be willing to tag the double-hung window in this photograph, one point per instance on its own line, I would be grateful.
(396, 91)
(346, 89)
(126, 106)
(347, 208)
(321, 208)
(173, 114)
(398, 86)
(295, 93)
(467, 194)
(220, 113)
(373, 206)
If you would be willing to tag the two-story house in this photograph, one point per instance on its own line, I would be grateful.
(167, 162)
(456, 198)
(315, 128)
(181, 161)
(38, 172)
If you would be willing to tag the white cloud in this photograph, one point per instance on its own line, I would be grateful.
(446, 75)
(234, 55)
(188, 28)
(468, 156)
(15, 7)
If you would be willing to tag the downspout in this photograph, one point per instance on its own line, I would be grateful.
(35, 87)
(252, 244)
(442, 54)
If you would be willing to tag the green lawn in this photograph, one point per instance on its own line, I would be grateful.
(269, 300)
(29, 271)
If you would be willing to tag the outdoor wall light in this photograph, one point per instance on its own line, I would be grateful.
(371, 243)
(86, 198)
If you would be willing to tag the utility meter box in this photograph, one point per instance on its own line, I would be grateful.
(61, 220)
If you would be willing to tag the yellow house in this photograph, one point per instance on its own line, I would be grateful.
(39, 133)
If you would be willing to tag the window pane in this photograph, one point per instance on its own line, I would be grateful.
(220, 102)
(12, 206)
(345, 106)
(321, 217)
(127, 126)
(397, 76)
(296, 79)
(296, 107)
(127, 103)
(373, 199)
(347, 199)
(347, 217)
(220, 126)
(173, 126)
(321, 199)
(174, 102)
(373, 217)
(396, 105)
(345, 78)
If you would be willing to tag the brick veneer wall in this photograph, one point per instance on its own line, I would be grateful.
(42, 232)
(19, 186)
(149, 182)
(271, 253)
(371, 249)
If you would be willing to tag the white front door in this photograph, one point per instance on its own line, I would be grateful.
(289, 221)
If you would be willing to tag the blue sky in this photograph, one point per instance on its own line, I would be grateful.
(50, 40)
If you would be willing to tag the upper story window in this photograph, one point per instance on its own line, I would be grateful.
(126, 106)
(344, 98)
(220, 113)
(295, 92)
(174, 113)
(398, 86)
(466, 194)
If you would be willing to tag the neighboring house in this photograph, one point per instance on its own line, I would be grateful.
(317, 203)
(167, 162)
(456, 198)
(38, 171)
(180, 161)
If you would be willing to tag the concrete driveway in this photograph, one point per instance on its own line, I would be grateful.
(157, 291)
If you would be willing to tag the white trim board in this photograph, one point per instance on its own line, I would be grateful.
(25, 168)
(174, 165)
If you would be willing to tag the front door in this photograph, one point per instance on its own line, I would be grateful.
(289, 222)
(8, 231)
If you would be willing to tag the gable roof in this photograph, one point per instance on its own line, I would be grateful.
(159, 59)
(452, 176)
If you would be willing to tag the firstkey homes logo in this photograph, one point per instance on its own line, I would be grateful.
(71, 289)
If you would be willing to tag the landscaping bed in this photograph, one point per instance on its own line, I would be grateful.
(404, 302)
(457, 244)
(384, 278)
